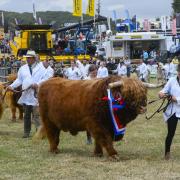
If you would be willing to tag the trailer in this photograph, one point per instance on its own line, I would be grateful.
(133, 44)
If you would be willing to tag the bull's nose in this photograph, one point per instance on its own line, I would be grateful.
(143, 110)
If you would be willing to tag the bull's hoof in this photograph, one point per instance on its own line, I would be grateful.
(114, 158)
(98, 154)
(54, 151)
(13, 120)
(89, 141)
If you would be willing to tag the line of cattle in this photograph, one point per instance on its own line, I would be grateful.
(75, 106)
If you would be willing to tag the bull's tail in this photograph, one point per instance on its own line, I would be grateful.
(1, 109)
(1, 100)
(40, 134)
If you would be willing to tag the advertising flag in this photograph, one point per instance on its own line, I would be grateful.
(34, 12)
(2, 20)
(114, 15)
(91, 8)
(178, 20)
(174, 29)
(77, 7)
(40, 20)
(16, 21)
(127, 14)
(146, 25)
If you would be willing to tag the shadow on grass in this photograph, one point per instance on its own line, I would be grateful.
(76, 152)
(122, 156)
(11, 134)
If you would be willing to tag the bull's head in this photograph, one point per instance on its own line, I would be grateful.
(134, 92)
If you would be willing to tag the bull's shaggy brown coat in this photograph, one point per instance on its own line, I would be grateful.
(77, 106)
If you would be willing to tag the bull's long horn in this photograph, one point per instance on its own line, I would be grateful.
(115, 84)
(149, 85)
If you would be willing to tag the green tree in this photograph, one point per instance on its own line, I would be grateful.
(176, 6)
(60, 17)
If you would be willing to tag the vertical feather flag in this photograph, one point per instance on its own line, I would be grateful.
(174, 29)
(16, 21)
(77, 7)
(2, 20)
(91, 8)
(40, 20)
(34, 12)
(127, 14)
(115, 16)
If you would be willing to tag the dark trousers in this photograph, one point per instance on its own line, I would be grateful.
(128, 71)
(27, 118)
(171, 126)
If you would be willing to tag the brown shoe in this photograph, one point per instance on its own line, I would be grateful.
(167, 156)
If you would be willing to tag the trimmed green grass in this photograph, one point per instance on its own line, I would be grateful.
(140, 153)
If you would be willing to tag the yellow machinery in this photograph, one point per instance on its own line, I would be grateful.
(39, 39)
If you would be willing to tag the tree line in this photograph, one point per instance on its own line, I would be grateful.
(57, 18)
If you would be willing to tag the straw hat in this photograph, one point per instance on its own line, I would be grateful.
(30, 53)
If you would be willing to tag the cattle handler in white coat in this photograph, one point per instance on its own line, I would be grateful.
(29, 76)
(172, 113)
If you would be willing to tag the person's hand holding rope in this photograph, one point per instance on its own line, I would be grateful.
(168, 96)
(162, 96)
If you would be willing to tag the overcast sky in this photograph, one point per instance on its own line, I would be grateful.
(142, 8)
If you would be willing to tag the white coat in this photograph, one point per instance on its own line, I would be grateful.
(73, 74)
(25, 79)
(172, 88)
(122, 70)
(83, 68)
(102, 72)
(48, 74)
(170, 70)
(143, 71)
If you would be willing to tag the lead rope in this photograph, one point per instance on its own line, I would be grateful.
(160, 107)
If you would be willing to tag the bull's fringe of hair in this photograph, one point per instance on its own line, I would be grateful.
(131, 89)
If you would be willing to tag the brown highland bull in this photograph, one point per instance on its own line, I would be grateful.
(78, 106)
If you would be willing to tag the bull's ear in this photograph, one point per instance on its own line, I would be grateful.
(115, 84)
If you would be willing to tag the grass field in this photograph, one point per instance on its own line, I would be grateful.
(140, 153)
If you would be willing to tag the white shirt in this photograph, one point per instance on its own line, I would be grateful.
(73, 73)
(143, 71)
(102, 72)
(122, 70)
(25, 79)
(170, 70)
(127, 62)
(83, 68)
(49, 73)
(173, 88)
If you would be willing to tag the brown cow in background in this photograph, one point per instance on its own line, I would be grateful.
(78, 106)
(10, 98)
